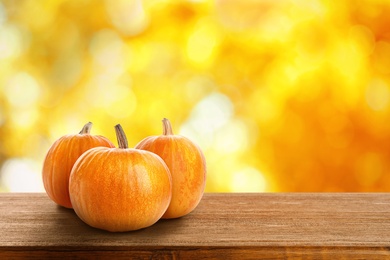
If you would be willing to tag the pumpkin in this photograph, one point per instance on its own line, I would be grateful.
(120, 189)
(60, 158)
(187, 165)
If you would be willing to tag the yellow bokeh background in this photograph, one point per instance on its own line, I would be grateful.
(280, 95)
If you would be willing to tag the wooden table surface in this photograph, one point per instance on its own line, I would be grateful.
(223, 226)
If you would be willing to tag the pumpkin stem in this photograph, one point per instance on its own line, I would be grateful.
(167, 127)
(121, 137)
(86, 129)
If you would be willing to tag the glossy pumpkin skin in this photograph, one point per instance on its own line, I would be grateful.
(187, 166)
(60, 159)
(119, 190)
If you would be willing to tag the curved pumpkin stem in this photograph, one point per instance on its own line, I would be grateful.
(121, 137)
(86, 129)
(167, 127)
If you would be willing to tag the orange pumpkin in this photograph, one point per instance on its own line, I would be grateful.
(60, 159)
(187, 165)
(120, 189)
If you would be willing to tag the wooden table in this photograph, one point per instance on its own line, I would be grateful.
(223, 226)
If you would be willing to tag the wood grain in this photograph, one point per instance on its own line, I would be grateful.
(223, 226)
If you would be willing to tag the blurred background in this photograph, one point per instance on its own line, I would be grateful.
(289, 95)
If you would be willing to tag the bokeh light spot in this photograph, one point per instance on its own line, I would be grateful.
(22, 90)
(107, 50)
(209, 115)
(378, 95)
(363, 39)
(248, 179)
(233, 137)
(10, 41)
(22, 175)
(128, 16)
(201, 44)
(121, 102)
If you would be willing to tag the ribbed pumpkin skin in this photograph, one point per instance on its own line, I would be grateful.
(60, 159)
(120, 189)
(187, 165)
